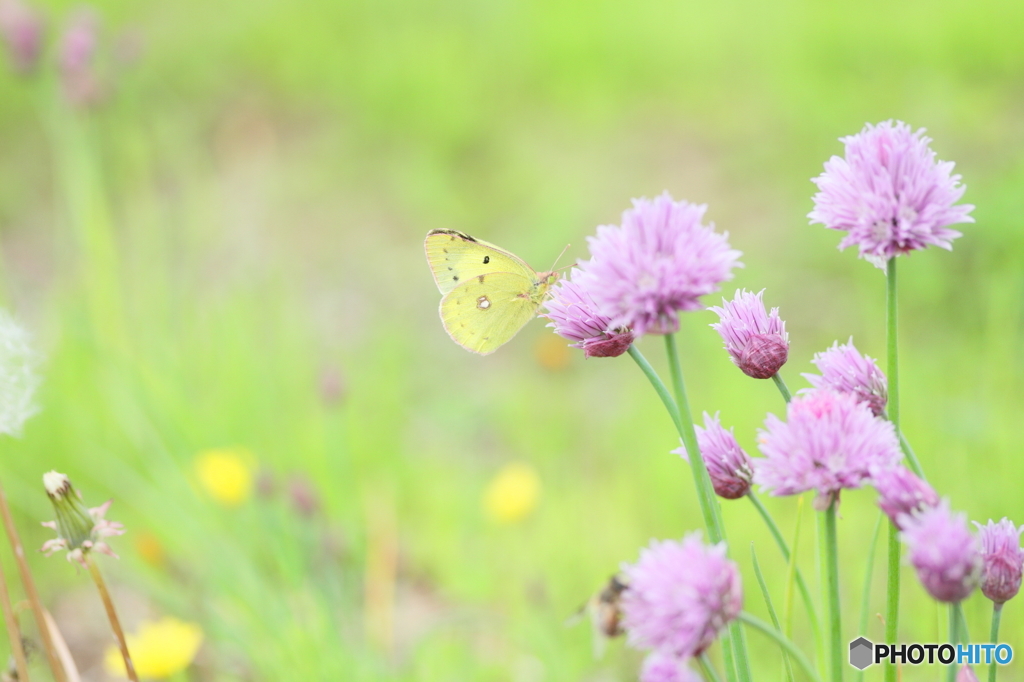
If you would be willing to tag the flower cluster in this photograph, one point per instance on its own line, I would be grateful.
(943, 551)
(576, 317)
(889, 194)
(830, 441)
(680, 596)
(660, 261)
(79, 530)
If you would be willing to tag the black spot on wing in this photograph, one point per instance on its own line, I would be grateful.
(455, 278)
(487, 259)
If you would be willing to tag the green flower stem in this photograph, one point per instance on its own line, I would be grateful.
(658, 384)
(911, 457)
(784, 548)
(783, 388)
(709, 671)
(727, 657)
(997, 612)
(865, 603)
(835, 626)
(962, 631)
(701, 480)
(892, 598)
(708, 504)
(798, 656)
(771, 609)
(954, 637)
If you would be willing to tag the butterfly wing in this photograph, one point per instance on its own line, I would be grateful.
(455, 258)
(485, 312)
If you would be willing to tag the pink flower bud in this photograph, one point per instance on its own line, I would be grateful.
(1002, 560)
(756, 340)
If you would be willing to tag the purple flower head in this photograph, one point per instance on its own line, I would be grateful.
(828, 442)
(900, 492)
(844, 370)
(730, 468)
(966, 674)
(756, 340)
(943, 550)
(575, 316)
(662, 667)
(889, 194)
(658, 262)
(680, 596)
(76, 59)
(1002, 560)
(21, 30)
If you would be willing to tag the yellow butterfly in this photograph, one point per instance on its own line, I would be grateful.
(489, 293)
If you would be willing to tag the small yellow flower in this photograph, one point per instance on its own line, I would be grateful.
(159, 649)
(513, 493)
(150, 549)
(553, 352)
(226, 474)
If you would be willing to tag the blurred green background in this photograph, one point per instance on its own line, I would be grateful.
(225, 251)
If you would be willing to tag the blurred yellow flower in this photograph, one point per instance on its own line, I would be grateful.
(513, 493)
(226, 474)
(553, 352)
(150, 549)
(159, 649)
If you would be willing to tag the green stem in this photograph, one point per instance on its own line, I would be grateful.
(962, 631)
(658, 384)
(954, 637)
(701, 480)
(865, 603)
(783, 389)
(892, 598)
(912, 460)
(997, 612)
(835, 628)
(771, 609)
(783, 641)
(709, 671)
(784, 548)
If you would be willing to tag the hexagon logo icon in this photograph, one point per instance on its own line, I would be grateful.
(861, 653)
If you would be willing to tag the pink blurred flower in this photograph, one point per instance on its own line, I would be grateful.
(658, 262)
(889, 194)
(680, 596)
(730, 468)
(576, 317)
(901, 492)
(966, 674)
(757, 341)
(662, 667)
(944, 552)
(1002, 559)
(829, 442)
(77, 59)
(21, 30)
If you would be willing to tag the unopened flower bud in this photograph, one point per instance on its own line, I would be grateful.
(1002, 560)
(944, 552)
(756, 340)
(79, 529)
(729, 466)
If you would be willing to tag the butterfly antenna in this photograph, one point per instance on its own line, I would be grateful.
(553, 268)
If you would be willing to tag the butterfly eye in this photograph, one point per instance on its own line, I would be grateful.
(487, 259)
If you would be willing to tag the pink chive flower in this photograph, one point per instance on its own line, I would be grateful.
(77, 57)
(576, 317)
(730, 468)
(21, 30)
(889, 194)
(844, 370)
(79, 530)
(1002, 559)
(828, 442)
(756, 340)
(966, 674)
(680, 596)
(943, 551)
(900, 492)
(659, 261)
(662, 667)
